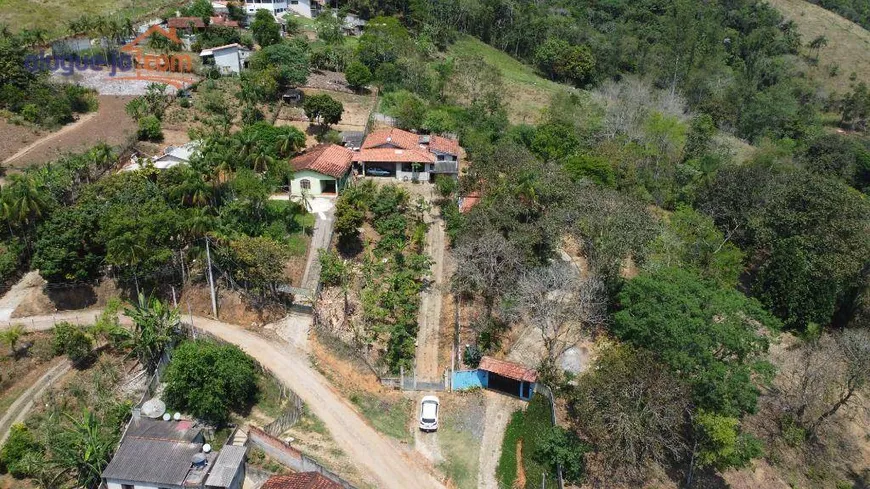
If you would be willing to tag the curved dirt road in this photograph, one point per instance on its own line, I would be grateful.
(378, 457)
(19, 409)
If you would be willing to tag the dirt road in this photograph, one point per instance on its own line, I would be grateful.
(19, 409)
(378, 457)
(499, 408)
(429, 321)
(110, 124)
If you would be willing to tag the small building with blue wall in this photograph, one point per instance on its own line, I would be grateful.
(499, 375)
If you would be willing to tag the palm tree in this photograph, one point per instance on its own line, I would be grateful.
(84, 448)
(287, 143)
(127, 250)
(247, 143)
(10, 337)
(154, 322)
(261, 160)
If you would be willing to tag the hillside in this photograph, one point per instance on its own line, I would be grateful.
(848, 43)
(526, 92)
(52, 16)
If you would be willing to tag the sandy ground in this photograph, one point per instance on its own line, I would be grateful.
(499, 408)
(430, 307)
(13, 138)
(110, 124)
(18, 293)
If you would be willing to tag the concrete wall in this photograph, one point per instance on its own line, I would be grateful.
(301, 7)
(314, 177)
(227, 61)
(470, 379)
(290, 457)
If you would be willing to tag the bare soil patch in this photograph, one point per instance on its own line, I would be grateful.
(110, 125)
(13, 138)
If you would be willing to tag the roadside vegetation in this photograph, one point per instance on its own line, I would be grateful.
(523, 448)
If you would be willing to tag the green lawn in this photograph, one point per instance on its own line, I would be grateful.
(53, 15)
(526, 426)
(388, 417)
(526, 93)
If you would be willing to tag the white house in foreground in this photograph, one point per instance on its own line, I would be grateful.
(229, 59)
(172, 156)
(324, 170)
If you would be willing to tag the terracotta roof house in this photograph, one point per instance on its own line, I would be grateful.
(403, 155)
(185, 23)
(324, 169)
(301, 480)
(507, 377)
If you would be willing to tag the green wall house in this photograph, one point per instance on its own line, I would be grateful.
(323, 170)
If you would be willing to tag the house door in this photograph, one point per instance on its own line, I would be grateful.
(327, 186)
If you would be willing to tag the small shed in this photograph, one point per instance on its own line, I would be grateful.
(499, 375)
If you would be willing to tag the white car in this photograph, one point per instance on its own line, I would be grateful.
(429, 413)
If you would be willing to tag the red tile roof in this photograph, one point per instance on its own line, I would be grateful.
(302, 480)
(392, 155)
(469, 201)
(223, 21)
(328, 159)
(184, 22)
(444, 145)
(393, 136)
(508, 369)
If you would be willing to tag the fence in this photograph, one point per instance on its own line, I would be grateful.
(543, 389)
(289, 417)
(291, 457)
(413, 383)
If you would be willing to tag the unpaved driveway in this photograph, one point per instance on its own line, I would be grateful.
(429, 320)
(499, 408)
(382, 460)
(19, 409)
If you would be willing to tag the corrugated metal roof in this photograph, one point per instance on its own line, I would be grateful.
(510, 370)
(157, 429)
(155, 461)
(226, 466)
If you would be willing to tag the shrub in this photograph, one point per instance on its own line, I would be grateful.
(332, 268)
(71, 341)
(208, 380)
(14, 455)
(150, 129)
(472, 356)
(559, 446)
(358, 75)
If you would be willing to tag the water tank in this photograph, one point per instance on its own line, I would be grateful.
(176, 416)
(198, 459)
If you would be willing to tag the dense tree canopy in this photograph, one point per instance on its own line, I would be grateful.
(209, 380)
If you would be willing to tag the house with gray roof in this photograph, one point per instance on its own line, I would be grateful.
(158, 454)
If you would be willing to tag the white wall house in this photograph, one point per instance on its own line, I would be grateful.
(229, 59)
(277, 7)
(323, 170)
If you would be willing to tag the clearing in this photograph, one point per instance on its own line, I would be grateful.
(110, 125)
(527, 92)
(52, 16)
(848, 43)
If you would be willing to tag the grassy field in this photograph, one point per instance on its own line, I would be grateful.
(53, 15)
(390, 417)
(526, 93)
(526, 427)
(848, 43)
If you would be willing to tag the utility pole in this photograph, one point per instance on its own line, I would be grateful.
(211, 280)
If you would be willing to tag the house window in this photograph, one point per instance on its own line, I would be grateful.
(305, 184)
(126, 486)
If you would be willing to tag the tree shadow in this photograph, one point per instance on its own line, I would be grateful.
(72, 298)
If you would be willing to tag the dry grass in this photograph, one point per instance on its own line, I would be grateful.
(526, 93)
(53, 15)
(848, 43)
